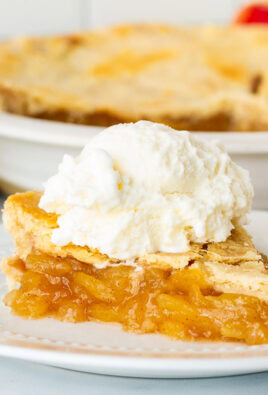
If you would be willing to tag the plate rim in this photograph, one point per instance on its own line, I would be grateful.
(132, 366)
(41, 344)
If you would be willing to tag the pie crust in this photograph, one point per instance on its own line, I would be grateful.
(197, 78)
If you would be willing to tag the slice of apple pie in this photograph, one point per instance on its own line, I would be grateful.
(214, 291)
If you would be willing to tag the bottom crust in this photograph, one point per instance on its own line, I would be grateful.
(184, 304)
(221, 119)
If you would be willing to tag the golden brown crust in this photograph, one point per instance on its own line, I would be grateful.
(206, 78)
(231, 266)
(31, 229)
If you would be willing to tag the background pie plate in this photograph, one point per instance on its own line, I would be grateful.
(31, 149)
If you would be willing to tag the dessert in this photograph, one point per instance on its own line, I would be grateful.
(143, 228)
(196, 78)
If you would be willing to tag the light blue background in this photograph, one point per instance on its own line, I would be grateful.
(24, 378)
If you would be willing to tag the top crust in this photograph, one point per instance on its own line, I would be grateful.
(31, 229)
(233, 266)
(202, 78)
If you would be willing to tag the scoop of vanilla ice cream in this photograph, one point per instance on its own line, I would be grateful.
(143, 187)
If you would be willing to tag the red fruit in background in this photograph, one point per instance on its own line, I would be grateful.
(253, 13)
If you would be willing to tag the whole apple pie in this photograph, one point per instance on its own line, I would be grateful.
(197, 78)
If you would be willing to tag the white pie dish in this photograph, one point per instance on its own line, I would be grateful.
(31, 149)
(106, 349)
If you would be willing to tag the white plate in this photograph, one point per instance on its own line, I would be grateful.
(106, 349)
(31, 149)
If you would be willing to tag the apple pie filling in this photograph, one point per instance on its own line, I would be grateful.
(177, 303)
